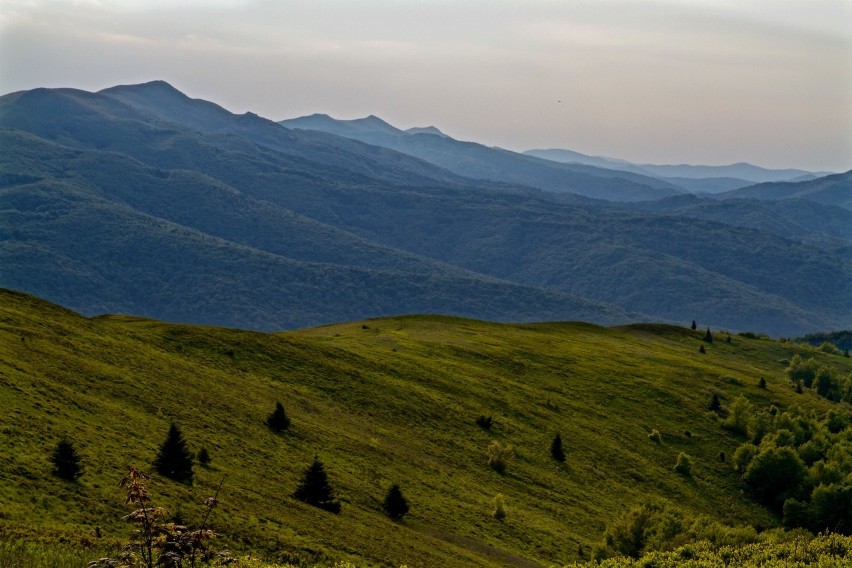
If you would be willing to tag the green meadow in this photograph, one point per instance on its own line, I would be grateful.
(379, 402)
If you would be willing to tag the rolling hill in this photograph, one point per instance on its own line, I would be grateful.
(141, 200)
(379, 402)
(829, 190)
(494, 164)
(692, 178)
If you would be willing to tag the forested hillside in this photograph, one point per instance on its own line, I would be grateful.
(138, 199)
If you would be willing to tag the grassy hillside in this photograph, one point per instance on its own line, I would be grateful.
(380, 402)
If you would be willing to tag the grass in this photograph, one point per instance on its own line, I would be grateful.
(379, 402)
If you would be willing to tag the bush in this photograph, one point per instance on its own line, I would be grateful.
(278, 421)
(654, 436)
(774, 474)
(556, 450)
(66, 462)
(743, 456)
(830, 348)
(315, 490)
(499, 503)
(739, 416)
(174, 460)
(484, 421)
(395, 505)
(203, 456)
(499, 456)
(803, 371)
(715, 404)
(684, 464)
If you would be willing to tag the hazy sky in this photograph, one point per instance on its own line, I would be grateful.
(711, 81)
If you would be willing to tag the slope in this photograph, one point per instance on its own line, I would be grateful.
(380, 402)
(829, 190)
(481, 162)
(248, 182)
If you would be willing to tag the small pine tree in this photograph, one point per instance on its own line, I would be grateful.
(278, 421)
(556, 449)
(799, 387)
(708, 337)
(315, 490)
(395, 505)
(762, 383)
(701, 349)
(66, 462)
(174, 460)
(694, 325)
(203, 456)
(715, 403)
(484, 421)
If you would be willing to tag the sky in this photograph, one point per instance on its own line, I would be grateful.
(669, 81)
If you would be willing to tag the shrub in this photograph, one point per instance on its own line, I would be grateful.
(278, 421)
(174, 460)
(654, 436)
(499, 503)
(66, 462)
(484, 421)
(684, 464)
(203, 456)
(803, 371)
(743, 456)
(830, 348)
(315, 490)
(556, 449)
(715, 404)
(831, 507)
(499, 456)
(739, 416)
(775, 473)
(395, 505)
(156, 541)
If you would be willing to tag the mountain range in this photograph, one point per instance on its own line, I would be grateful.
(139, 199)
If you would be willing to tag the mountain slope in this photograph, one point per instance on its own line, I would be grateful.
(380, 402)
(289, 196)
(481, 162)
(829, 190)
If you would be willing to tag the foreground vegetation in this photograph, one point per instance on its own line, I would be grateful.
(454, 412)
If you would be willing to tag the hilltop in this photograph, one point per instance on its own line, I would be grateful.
(383, 401)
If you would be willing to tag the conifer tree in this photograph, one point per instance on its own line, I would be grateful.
(715, 403)
(315, 490)
(395, 505)
(203, 456)
(556, 449)
(174, 459)
(66, 462)
(708, 337)
(762, 383)
(694, 325)
(278, 421)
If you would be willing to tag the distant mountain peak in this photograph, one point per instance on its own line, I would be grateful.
(426, 130)
(157, 86)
